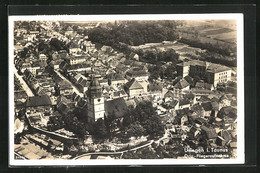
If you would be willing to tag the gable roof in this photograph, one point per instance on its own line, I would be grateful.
(69, 28)
(181, 84)
(35, 101)
(184, 102)
(133, 84)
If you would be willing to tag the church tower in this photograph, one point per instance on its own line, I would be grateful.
(95, 101)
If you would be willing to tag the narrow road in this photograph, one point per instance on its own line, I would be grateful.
(113, 153)
(23, 84)
(75, 89)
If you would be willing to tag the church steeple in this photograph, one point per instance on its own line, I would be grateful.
(94, 90)
(96, 108)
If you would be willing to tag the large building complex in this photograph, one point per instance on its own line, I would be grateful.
(210, 72)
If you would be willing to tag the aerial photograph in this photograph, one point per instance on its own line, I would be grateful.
(124, 89)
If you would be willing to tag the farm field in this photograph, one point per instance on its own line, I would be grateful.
(216, 31)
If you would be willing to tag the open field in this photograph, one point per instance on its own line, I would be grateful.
(216, 31)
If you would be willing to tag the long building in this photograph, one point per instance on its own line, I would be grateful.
(211, 72)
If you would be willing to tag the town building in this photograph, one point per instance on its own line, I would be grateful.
(95, 101)
(210, 72)
(74, 48)
(133, 88)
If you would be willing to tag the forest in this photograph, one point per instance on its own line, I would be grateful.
(134, 33)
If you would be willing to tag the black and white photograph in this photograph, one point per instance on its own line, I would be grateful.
(126, 89)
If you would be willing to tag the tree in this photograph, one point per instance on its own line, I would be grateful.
(154, 126)
(99, 128)
(110, 122)
(145, 114)
(56, 44)
(135, 129)
(55, 123)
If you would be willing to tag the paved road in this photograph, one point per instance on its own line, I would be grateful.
(75, 89)
(113, 153)
(23, 84)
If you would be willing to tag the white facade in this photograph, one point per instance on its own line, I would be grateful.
(96, 109)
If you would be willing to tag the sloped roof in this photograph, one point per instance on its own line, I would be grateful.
(133, 84)
(155, 87)
(137, 73)
(116, 106)
(184, 102)
(211, 133)
(35, 101)
(69, 28)
(215, 106)
(207, 106)
(174, 103)
(73, 45)
(181, 84)
(65, 85)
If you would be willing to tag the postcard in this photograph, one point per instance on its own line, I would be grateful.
(164, 89)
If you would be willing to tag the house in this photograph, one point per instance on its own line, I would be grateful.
(39, 103)
(82, 84)
(198, 111)
(224, 101)
(106, 49)
(74, 48)
(184, 103)
(103, 82)
(174, 104)
(88, 46)
(65, 88)
(117, 94)
(116, 80)
(201, 85)
(227, 112)
(155, 87)
(207, 107)
(210, 132)
(64, 105)
(77, 59)
(82, 68)
(190, 97)
(139, 75)
(223, 138)
(55, 64)
(133, 88)
(179, 87)
(144, 84)
(43, 58)
(168, 96)
(69, 31)
(134, 56)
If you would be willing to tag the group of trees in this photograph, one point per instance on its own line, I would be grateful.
(154, 56)
(142, 120)
(134, 33)
(164, 73)
(225, 50)
(55, 123)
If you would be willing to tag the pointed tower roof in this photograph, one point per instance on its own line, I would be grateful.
(94, 89)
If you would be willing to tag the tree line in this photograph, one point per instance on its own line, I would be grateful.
(134, 32)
